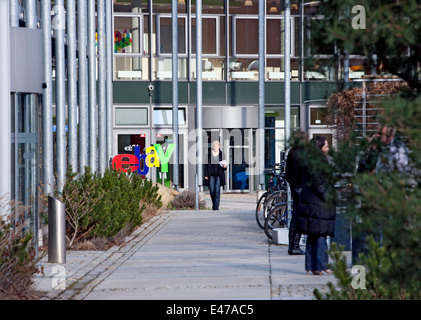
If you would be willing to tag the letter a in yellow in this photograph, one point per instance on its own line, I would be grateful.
(151, 156)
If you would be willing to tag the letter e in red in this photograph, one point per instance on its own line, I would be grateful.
(123, 162)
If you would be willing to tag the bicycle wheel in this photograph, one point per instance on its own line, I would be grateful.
(276, 218)
(265, 204)
(271, 199)
(261, 210)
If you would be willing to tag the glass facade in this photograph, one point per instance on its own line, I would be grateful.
(25, 156)
(230, 53)
(143, 48)
(275, 132)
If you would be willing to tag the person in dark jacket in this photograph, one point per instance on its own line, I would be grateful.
(315, 218)
(293, 174)
(215, 173)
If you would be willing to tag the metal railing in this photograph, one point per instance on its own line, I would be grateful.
(369, 107)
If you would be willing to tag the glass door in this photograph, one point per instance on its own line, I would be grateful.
(239, 157)
(127, 141)
(164, 174)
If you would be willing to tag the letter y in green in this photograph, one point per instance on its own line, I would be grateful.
(164, 157)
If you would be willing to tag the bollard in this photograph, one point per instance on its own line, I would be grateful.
(56, 231)
(196, 199)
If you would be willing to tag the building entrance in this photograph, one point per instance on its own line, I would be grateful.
(165, 137)
(239, 153)
(126, 140)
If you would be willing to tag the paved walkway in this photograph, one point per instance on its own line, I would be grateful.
(187, 255)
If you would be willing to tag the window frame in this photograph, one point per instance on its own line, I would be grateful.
(131, 106)
(168, 107)
(142, 46)
(158, 35)
(236, 17)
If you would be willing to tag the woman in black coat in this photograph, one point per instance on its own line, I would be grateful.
(215, 174)
(315, 218)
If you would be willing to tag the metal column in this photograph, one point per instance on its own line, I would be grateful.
(5, 110)
(30, 124)
(56, 231)
(199, 136)
(47, 99)
(261, 128)
(175, 90)
(102, 69)
(72, 83)
(109, 79)
(59, 28)
(92, 100)
(30, 14)
(83, 85)
(14, 13)
(287, 70)
(150, 31)
(346, 69)
(287, 77)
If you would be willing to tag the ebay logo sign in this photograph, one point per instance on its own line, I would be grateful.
(154, 157)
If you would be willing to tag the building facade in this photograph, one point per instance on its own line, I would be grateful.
(230, 72)
(87, 80)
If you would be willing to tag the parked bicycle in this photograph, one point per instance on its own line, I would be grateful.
(277, 188)
(277, 216)
(266, 199)
(272, 207)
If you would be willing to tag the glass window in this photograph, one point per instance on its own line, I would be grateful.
(131, 47)
(209, 36)
(163, 67)
(246, 36)
(25, 155)
(163, 116)
(274, 36)
(358, 67)
(166, 178)
(128, 35)
(162, 6)
(210, 7)
(165, 35)
(222, 36)
(131, 68)
(131, 116)
(275, 116)
(275, 132)
(244, 7)
(319, 68)
(318, 116)
(130, 6)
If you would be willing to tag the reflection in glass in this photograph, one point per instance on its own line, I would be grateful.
(166, 178)
(163, 116)
(131, 116)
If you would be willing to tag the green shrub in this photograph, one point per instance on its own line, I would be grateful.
(107, 204)
(387, 205)
(17, 258)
